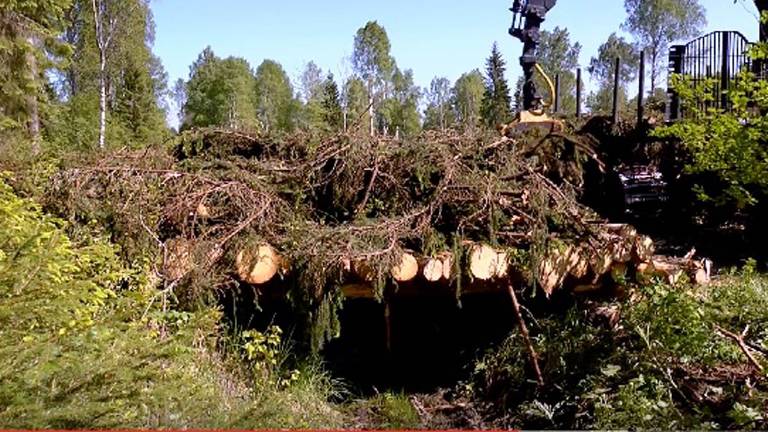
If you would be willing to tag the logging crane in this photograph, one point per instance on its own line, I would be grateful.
(527, 17)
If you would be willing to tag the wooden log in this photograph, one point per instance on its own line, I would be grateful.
(667, 268)
(432, 269)
(587, 289)
(702, 277)
(600, 261)
(177, 259)
(643, 249)
(622, 250)
(202, 211)
(552, 273)
(407, 269)
(358, 291)
(579, 263)
(502, 265)
(259, 265)
(485, 263)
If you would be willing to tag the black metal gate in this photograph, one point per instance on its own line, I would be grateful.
(720, 55)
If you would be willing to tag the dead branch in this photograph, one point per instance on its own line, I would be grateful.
(739, 339)
(534, 357)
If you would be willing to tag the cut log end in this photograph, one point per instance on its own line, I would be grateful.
(258, 266)
(486, 263)
(433, 270)
(406, 270)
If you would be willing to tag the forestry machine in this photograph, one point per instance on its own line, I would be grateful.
(528, 15)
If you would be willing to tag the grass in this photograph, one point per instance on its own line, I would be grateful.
(384, 411)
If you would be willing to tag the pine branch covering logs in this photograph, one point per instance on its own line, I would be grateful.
(345, 209)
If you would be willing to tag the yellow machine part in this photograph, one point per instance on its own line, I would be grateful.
(535, 119)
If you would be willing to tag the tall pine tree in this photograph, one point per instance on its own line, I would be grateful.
(332, 111)
(496, 108)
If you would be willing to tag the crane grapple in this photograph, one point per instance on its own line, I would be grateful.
(528, 15)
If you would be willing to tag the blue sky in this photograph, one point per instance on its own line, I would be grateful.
(434, 38)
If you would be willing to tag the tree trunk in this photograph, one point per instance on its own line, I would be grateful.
(654, 67)
(102, 42)
(370, 114)
(102, 103)
(33, 106)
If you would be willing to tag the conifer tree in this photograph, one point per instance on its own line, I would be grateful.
(496, 100)
(332, 111)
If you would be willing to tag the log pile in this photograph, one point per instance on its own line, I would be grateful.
(464, 211)
(627, 257)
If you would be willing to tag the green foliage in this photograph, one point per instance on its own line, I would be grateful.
(729, 146)
(684, 328)
(276, 106)
(468, 99)
(220, 92)
(29, 48)
(664, 365)
(333, 114)
(387, 411)
(371, 58)
(85, 344)
(656, 23)
(496, 107)
(355, 101)
(603, 68)
(134, 78)
(439, 114)
(643, 403)
(399, 113)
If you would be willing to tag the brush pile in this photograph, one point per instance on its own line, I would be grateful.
(322, 215)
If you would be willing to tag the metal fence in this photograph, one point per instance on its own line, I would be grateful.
(718, 56)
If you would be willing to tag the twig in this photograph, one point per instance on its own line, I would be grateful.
(526, 337)
(739, 339)
(368, 190)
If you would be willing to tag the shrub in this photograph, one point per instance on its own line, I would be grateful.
(85, 343)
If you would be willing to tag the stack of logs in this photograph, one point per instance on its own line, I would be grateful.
(624, 257)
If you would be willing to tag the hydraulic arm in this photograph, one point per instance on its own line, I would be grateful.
(528, 15)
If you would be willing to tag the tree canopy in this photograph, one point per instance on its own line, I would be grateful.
(657, 23)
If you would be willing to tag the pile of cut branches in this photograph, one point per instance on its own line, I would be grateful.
(228, 207)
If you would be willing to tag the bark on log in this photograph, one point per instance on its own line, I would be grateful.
(645, 272)
(671, 271)
(622, 250)
(554, 269)
(579, 263)
(202, 211)
(258, 266)
(363, 271)
(644, 249)
(600, 262)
